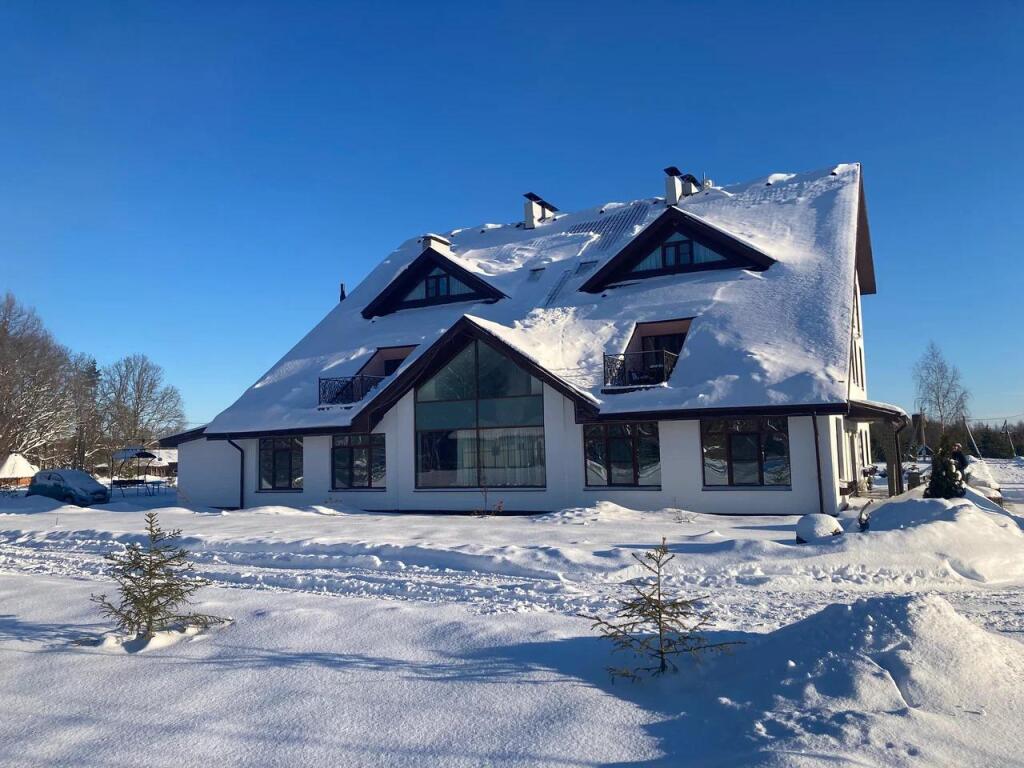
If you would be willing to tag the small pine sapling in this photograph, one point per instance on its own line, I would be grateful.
(654, 626)
(156, 583)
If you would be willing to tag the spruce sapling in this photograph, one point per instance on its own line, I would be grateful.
(654, 626)
(156, 583)
(946, 481)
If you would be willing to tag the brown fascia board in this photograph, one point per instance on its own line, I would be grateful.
(173, 441)
(404, 281)
(692, 226)
(689, 414)
(864, 256)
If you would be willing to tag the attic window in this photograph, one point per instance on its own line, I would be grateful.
(535, 274)
(677, 253)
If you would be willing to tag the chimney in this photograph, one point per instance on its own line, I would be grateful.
(341, 292)
(535, 210)
(678, 185)
(437, 243)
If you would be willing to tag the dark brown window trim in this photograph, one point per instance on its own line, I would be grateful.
(290, 488)
(370, 448)
(635, 441)
(730, 485)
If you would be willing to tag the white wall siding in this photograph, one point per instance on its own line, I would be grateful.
(208, 473)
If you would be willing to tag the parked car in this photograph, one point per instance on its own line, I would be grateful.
(68, 485)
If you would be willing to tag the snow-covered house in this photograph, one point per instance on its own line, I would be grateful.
(701, 350)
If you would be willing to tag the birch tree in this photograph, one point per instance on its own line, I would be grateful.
(940, 392)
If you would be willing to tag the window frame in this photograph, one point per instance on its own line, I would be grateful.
(606, 441)
(762, 433)
(477, 429)
(374, 442)
(295, 440)
(432, 286)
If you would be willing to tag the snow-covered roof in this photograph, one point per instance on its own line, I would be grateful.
(156, 457)
(777, 337)
(16, 466)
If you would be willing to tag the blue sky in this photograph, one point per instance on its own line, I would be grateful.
(192, 180)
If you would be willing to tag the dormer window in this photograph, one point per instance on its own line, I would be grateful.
(432, 278)
(436, 287)
(678, 253)
(675, 242)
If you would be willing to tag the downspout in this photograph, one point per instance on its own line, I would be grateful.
(817, 459)
(241, 472)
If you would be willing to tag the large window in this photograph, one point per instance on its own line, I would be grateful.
(745, 452)
(480, 424)
(357, 461)
(281, 464)
(622, 454)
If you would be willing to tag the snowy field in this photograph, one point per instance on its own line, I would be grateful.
(384, 640)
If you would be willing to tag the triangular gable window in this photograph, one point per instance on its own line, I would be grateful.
(431, 279)
(677, 253)
(438, 284)
(673, 243)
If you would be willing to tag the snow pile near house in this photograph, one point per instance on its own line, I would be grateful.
(893, 681)
(816, 527)
(972, 536)
(981, 476)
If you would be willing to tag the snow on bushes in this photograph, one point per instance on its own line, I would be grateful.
(816, 527)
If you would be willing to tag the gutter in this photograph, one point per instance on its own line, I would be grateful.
(241, 472)
(817, 459)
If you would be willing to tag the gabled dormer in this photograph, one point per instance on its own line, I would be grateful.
(431, 278)
(676, 242)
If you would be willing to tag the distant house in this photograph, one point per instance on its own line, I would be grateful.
(16, 471)
(701, 350)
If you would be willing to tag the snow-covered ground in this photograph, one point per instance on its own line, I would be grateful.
(376, 639)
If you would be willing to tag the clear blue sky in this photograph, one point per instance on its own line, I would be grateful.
(192, 180)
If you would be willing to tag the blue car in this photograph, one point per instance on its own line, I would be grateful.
(70, 486)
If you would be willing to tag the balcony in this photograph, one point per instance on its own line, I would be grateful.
(638, 369)
(347, 389)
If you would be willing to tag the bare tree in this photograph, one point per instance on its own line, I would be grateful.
(941, 394)
(87, 438)
(35, 404)
(135, 405)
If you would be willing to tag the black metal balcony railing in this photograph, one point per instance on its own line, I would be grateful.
(638, 369)
(348, 389)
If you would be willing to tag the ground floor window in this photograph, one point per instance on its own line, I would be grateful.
(481, 458)
(280, 463)
(357, 461)
(752, 451)
(622, 454)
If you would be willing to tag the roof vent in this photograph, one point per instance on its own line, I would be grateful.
(535, 210)
(437, 243)
(678, 185)
(341, 292)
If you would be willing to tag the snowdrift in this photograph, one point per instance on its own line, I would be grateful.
(886, 681)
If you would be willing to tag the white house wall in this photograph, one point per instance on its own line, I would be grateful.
(209, 473)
